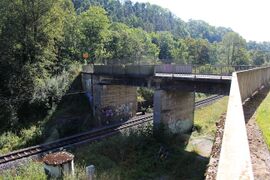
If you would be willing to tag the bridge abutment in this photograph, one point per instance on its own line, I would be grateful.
(175, 110)
(115, 103)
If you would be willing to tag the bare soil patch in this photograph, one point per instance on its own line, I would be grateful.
(260, 156)
(259, 152)
(215, 154)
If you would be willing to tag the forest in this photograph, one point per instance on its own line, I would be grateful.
(42, 42)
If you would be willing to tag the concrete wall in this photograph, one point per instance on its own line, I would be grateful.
(235, 161)
(114, 102)
(251, 81)
(120, 70)
(110, 102)
(174, 109)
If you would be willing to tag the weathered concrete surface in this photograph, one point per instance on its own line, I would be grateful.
(120, 70)
(109, 102)
(114, 102)
(252, 80)
(145, 76)
(174, 109)
(235, 161)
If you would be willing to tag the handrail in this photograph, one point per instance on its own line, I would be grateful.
(151, 70)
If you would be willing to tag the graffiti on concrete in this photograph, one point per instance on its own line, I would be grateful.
(111, 114)
(108, 111)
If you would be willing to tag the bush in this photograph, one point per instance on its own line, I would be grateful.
(8, 141)
(30, 171)
(52, 89)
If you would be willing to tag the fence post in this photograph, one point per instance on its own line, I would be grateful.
(90, 171)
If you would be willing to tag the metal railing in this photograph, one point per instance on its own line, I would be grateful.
(200, 69)
(151, 70)
(223, 70)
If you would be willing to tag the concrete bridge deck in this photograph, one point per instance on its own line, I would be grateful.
(175, 77)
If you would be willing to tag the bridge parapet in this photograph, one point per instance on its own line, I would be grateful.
(120, 70)
(151, 70)
(251, 81)
(235, 161)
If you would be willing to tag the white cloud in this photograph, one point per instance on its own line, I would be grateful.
(250, 18)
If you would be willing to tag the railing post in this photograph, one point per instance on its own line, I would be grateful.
(221, 72)
(195, 70)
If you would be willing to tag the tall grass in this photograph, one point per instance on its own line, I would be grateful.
(142, 155)
(263, 119)
(206, 117)
(31, 171)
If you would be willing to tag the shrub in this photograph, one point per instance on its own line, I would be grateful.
(8, 141)
(30, 171)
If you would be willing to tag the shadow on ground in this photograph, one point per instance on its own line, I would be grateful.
(252, 105)
(142, 154)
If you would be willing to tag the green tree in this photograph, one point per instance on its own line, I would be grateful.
(180, 52)
(94, 25)
(130, 45)
(30, 33)
(234, 50)
(165, 42)
(198, 51)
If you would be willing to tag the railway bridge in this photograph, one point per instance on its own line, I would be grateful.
(174, 99)
(112, 90)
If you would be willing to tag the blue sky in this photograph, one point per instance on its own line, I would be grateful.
(250, 18)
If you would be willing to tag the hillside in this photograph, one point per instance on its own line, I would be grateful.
(153, 18)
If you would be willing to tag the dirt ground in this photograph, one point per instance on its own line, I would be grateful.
(214, 158)
(260, 155)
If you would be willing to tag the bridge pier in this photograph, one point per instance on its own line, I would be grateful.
(114, 103)
(109, 103)
(175, 110)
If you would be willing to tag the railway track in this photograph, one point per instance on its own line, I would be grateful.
(76, 139)
(207, 101)
(87, 137)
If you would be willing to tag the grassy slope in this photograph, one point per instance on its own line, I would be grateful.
(206, 117)
(263, 119)
(136, 156)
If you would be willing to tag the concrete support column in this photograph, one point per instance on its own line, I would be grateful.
(175, 110)
(114, 103)
(109, 102)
